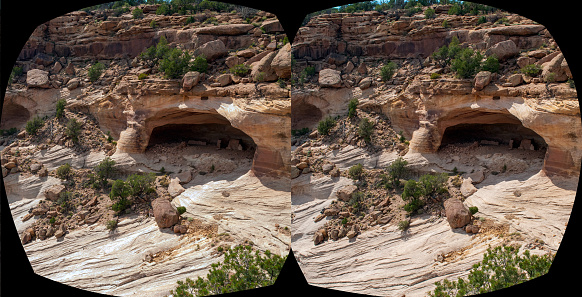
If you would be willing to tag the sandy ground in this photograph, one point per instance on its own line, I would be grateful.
(95, 259)
(385, 261)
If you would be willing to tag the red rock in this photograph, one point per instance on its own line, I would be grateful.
(457, 213)
(165, 213)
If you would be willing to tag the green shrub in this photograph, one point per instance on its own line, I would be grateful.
(434, 184)
(365, 129)
(532, 70)
(104, 170)
(434, 75)
(73, 129)
(352, 105)
(325, 125)
(473, 210)
(109, 137)
(355, 201)
(64, 201)
(190, 20)
(141, 184)
(61, 108)
(34, 125)
(8, 132)
(403, 225)
(137, 13)
(355, 172)
(397, 170)
(95, 71)
(240, 270)
(156, 52)
(446, 53)
(445, 24)
(64, 171)
(111, 224)
(455, 10)
(571, 83)
(240, 70)
(482, 20)
(181, 209)
(309, 70)
(412, 190)
(491, 64)
(500, 268)
(163, 9)
(550, 78)
(466, 63)
(53, 220)
(282, 84)
(387, 71)
(412, 11)
(300, 132)
(175, 63)
(344, 221)
(142, 76)
(120, 190)
(153, 24)
(200, 64)
(429, 13)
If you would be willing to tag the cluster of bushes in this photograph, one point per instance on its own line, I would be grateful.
(352, 105)
(355, 172)
(396, 171)
(532, 70)
(73, 129)
(300, 132)
(468, 8)
(465, 62)
(64, 171)
(240, 270)
(61, 108)
(173, 62)
(306, 73)
(500, 268)
(427, 186)
(16, 71)
(136, 185)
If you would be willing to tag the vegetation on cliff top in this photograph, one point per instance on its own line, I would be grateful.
(501, 267)
(240, 270)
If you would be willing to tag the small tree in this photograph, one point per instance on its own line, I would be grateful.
(141, 184)
(104, 170)
(64, 171)
(240, 270)
(413, 190)
(73, 129)
(491, 64)
(137, 13)
(240, 70)
(446, 53)
(532, 70)
(355, 172)
(397, 170)
(61, 108)
(175, 63)
(120, 190)
(95, 71)
(387, 71)
(200, 64)
(500, 268)
(429, 13)
(181, 209)
(466, 63)
(325, 125)
(352, 105)
(365, 129)
(34, 125)
(434, 184)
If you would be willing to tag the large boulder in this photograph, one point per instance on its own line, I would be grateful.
(175, 188)
(37, 78)
(482, 79)
(503, 50)
(212, 50)
(262, 70)
(346, 192)
(330, 78)
(54, 192)
(190, 80)
(556, 69)
(165, 213)
(282, 62)
(467, 188)
(457, 213)
(272, 26)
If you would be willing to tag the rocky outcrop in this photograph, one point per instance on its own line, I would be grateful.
(165, 213)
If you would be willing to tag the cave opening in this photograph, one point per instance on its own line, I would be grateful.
(14, 116)
(209, 134)
(503, 134)
(304, 115)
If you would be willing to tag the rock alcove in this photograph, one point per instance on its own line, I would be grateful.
(14, 116)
